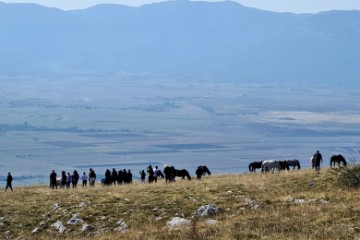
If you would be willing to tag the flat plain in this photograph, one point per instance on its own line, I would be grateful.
(78, 121)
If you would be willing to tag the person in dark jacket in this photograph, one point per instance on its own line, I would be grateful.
(107, 180)
(114, 176)
(63, 179)
(92, 177)
(8, 182)
(142, 176)
(75, 179)
(53, 183)
(317, 160)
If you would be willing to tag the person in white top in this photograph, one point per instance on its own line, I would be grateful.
(155, 173)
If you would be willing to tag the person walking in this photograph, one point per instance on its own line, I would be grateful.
(317, 160)
(8, 182)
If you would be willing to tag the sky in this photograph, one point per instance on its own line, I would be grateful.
(295, 6)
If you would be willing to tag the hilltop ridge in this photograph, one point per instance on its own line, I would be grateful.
(286, 205)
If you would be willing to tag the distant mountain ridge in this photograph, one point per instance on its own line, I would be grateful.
(214, 40)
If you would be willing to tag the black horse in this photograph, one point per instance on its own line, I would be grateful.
(254, 165)
(337, 159)
(294, 163)
(284, 165)
(182, 173)
(160, 174)
(169, 172)
(202, 171)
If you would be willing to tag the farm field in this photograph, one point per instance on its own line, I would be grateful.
(122, 121)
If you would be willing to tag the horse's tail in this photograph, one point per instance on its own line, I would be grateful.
(250, 167)
(299, 167)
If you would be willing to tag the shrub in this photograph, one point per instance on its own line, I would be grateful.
(349, 176)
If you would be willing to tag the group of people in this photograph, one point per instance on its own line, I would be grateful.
(66, 180)
(124, 176)
(117, 177)
(152, 173)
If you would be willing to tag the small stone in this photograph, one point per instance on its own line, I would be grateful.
(59, 226)
(87, 228)
(177, 222)
(207, 210)
(211, 222)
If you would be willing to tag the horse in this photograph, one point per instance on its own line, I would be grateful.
(254, 165)
(283, 165)
(169, 172)
(269, 164)
(312, 161)
(182, 173)
(202, 171)
(160, 174)
(337, 159)
(293, 163)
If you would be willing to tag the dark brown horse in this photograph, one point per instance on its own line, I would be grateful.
(337, 159)
(202, 171)
(254, 165)
(182, 173)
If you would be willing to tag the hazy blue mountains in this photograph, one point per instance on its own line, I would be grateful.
(222, 41)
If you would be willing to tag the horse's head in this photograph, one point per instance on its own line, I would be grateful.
(207, 170)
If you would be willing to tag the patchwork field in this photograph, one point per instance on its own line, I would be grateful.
(130, 121)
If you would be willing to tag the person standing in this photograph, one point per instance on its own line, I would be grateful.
(142, 176)
(68, 180)
(317, 160)
(155, 174)
(129, 176)
(84, 179)
(150, 174)
(75, 179)
(114, 176)
(53, 183)
(92, 177)
(63, 179)
(8, 182)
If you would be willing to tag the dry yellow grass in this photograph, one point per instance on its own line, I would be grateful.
(287, 205)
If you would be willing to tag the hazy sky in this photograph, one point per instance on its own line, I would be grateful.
(297, 6)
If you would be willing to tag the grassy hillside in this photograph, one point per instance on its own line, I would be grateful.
(286, 205)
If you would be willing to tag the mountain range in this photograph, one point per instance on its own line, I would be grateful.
(221, 41)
